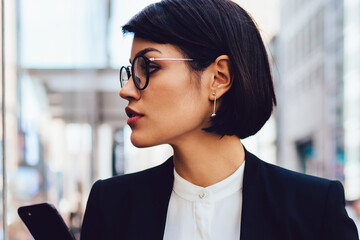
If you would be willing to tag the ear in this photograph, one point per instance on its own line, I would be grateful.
(222, 77)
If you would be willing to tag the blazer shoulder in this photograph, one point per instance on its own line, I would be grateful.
(280, 174)
(296, 176)
(285, 183)
(140, 178)
(308, 206)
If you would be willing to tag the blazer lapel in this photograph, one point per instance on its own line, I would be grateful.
(161, 197)
(152, 203)
(254, 217)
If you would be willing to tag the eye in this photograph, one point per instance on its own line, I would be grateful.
(153, 68)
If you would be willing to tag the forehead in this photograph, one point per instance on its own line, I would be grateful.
(140, 45)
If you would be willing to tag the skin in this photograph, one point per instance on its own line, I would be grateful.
(176, 109)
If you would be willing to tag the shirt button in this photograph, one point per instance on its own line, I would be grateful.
(202, 195)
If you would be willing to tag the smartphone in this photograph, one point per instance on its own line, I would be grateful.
(44, 222)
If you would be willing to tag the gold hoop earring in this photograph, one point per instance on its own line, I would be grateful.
(214, 111)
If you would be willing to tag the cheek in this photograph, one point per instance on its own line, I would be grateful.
(177, 97)
(181, 109)
(169, 93)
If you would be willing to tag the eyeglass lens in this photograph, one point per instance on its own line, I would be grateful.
(124, 77)
(140, 72)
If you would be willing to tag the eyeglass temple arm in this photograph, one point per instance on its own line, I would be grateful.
(171, 59)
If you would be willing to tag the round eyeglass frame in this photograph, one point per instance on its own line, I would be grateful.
(130, 70)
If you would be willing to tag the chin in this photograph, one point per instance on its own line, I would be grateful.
(141, 142)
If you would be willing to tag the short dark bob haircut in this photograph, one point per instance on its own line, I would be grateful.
(203, 30)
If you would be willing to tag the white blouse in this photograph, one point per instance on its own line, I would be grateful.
(211, 213)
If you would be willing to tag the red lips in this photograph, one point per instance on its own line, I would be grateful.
(133, 116)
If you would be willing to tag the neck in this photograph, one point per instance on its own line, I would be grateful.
(206, 159)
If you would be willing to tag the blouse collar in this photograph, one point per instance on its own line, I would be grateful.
(213, 193)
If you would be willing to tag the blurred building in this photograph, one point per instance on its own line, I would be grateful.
(310, 87)
(317, 51)
(352, 97)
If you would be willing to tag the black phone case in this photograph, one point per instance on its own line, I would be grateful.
(44, 222)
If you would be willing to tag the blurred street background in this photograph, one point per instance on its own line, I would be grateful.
(63, 125)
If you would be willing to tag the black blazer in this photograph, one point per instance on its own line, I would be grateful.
(277, 204)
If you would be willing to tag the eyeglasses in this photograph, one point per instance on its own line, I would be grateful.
(141, 69)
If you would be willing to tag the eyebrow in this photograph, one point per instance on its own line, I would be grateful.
(144, 51)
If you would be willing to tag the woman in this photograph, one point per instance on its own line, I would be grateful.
(200, 81)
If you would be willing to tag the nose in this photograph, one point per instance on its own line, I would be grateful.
(129, 91)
